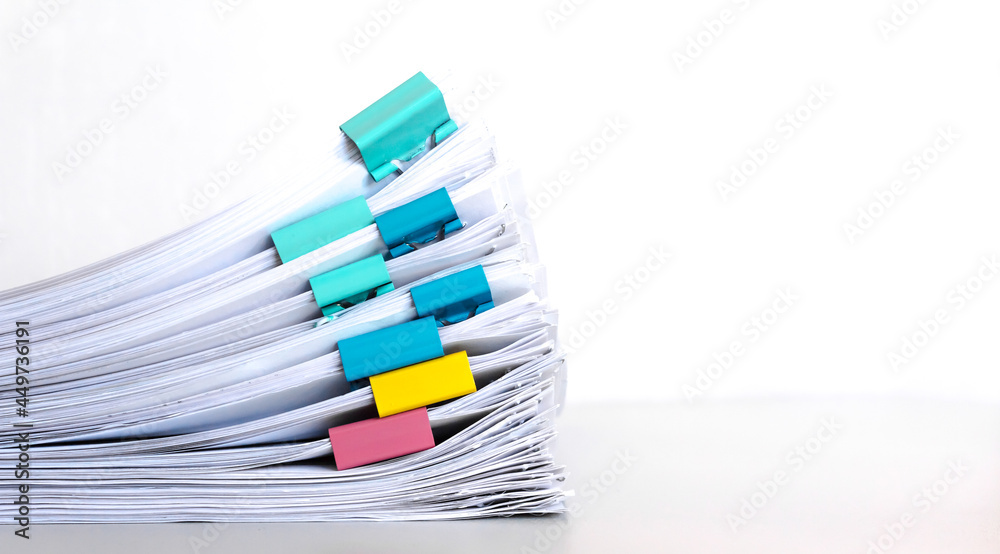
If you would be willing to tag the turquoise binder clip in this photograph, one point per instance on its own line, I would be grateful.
(396, 126)
(390, 348)
(321, 229)
(429, 217)
(454, 298)
(352, 284)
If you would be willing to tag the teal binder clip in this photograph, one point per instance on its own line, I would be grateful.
(454, 298)
(321, 229)
(423, 220)
(390, 348)
(350, 285)
(396, 126)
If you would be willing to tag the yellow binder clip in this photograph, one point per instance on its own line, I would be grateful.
(422, 384)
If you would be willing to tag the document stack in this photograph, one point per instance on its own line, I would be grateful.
(368, 340)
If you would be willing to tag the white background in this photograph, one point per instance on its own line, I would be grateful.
(558, 81)
(557, 85)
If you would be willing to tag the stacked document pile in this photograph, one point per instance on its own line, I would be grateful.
(368, 340)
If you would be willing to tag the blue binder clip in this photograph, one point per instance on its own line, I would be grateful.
(454, 298)
(390, 348)
(423, 220)
(397, 126)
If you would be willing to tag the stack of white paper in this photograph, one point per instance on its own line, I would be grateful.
(195, 378)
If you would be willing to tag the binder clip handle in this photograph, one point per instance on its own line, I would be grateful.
(455, 297)
(398, 125)
(352, 284)
(419, 222)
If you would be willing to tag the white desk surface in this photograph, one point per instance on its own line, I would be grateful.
(692, 467)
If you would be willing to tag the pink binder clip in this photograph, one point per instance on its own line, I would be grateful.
(374, 440)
